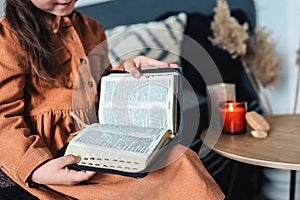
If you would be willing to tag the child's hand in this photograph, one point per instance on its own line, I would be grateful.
(55, 172)
(132, 65)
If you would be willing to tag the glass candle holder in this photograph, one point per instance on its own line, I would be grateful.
(217, 93)
(233, 116)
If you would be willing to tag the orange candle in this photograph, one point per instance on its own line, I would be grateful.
(233, 116)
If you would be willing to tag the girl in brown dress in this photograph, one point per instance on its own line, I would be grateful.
(44, 45)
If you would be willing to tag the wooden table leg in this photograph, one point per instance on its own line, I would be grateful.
(292, 185)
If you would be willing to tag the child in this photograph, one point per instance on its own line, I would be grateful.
(44, 46)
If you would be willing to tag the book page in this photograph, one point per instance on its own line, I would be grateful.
(144, 102)
(120, 138)
(127, 149)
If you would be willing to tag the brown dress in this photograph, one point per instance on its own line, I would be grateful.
(35, 120)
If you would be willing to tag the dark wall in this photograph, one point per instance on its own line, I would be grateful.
(118, 12)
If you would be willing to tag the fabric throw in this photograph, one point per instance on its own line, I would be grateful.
(160, 40)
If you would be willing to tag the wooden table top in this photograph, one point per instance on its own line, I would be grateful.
(281, 149)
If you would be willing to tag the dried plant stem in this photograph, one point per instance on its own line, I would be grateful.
(257, 89)
(267, 100)
(297, 92)
(298, 80)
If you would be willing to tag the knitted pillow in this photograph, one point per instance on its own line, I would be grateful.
(160, 40)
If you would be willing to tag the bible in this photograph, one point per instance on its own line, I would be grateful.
(137, 118)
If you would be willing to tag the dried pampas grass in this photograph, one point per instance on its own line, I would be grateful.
(257, 53)
(263, 61)
(227, 32)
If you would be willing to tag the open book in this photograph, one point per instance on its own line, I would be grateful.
(137, 117)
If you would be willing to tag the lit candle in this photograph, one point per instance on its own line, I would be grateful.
(233, 116)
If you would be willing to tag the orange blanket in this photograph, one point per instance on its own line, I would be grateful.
(184, 178)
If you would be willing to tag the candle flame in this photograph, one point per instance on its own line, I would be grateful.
(230, 107)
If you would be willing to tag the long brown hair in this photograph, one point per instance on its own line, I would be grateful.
(29, 22)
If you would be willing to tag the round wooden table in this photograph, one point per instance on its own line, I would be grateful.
(281, 149)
